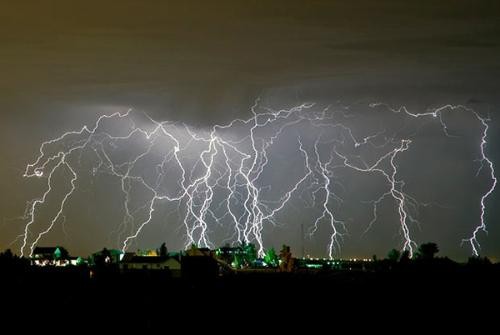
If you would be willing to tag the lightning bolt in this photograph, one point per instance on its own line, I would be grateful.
(483, 159)
(219, 172)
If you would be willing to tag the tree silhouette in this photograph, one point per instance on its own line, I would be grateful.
(427, 251)
(8, 259)
(237, 261)
(286, 260)
(163, 250)
(7, 254)
(405, 257)
(102, 258)
(270, 257)
(393, 255)
(478, 261)
(250, 253)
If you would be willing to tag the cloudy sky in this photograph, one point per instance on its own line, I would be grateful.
(64, 63)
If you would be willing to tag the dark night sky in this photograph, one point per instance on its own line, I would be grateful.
(62, 63)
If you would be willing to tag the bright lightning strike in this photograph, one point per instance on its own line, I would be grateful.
(216, 176)
(484, 159)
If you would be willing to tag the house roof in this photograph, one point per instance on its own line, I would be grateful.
(112, 252)
(47, 250)
(44, 250)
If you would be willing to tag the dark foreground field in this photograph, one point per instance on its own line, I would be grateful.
(68, 299)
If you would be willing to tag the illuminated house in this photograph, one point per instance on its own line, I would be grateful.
(242, 256)
(53, 256)
(107, 256)
(228, 254)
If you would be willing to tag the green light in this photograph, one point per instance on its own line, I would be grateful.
(57, 253)
(270, 258)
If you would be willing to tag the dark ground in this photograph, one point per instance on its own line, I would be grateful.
(68, 300)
